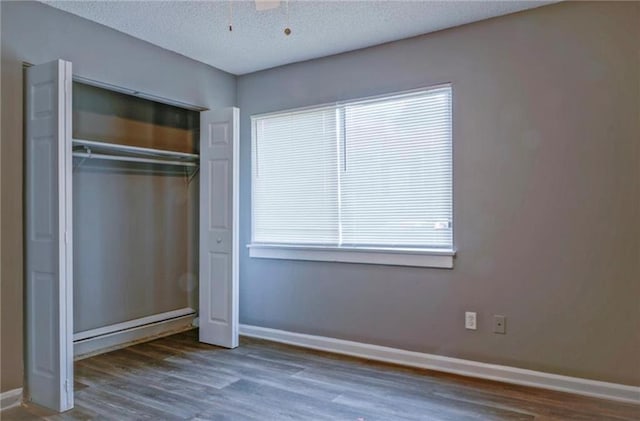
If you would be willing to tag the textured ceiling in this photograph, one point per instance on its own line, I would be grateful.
(199, 29)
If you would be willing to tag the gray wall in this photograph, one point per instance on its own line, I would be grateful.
(546, 193)
(37, 33)
(130, 243)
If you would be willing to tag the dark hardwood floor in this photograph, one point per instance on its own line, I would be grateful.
(177, 378)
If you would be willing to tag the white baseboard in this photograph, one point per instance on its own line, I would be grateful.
(10, 398)
(95, 345)
(132, 323)
(469, 368)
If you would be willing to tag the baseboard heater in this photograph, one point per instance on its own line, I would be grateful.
(107, 338)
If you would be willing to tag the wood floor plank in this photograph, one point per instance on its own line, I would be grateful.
(179, 378)
(298, 406)
(110, 406)
(130, 366)
(380, 392)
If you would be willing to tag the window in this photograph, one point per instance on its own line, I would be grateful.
(365, 181)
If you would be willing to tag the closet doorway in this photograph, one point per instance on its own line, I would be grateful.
(94, 181)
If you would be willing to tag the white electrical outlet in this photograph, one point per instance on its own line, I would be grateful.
(499, 324)
(470, 320)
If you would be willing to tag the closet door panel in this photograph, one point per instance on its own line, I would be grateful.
(49, 310)
(218, 227)
(219, 291)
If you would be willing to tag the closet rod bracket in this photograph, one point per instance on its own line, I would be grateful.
(84, 158)
(193, 174)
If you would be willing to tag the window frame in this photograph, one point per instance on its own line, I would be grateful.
(394, 256)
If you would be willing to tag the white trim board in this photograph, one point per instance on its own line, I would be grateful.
(10, 398)
(132, 323)
(381, 256)
(506, 374)
(100, 344)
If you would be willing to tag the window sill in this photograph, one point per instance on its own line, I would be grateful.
(378, 256)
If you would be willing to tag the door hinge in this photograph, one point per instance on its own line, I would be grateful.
(66, 237)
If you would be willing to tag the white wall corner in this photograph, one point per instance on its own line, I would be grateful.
(506, 374)
(10, 398)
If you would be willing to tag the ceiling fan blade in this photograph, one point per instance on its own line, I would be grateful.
(267, 4)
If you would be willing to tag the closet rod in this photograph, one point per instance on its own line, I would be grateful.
(133, 149)
(133, 159)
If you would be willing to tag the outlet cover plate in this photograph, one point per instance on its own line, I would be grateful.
(470, 320)
(499, 324)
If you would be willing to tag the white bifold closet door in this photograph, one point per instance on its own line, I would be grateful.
(219, 146)
(49, 292)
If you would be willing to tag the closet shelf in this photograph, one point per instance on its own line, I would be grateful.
(110, 151)
(133, 159)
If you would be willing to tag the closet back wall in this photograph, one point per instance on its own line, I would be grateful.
(36, 33)
(134, 235)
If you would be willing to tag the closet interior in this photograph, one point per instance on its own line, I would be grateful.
(135, 213)
(131, 232)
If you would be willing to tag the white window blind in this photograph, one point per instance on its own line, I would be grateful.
(373, 173)
(396, 183)
(295, 178)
